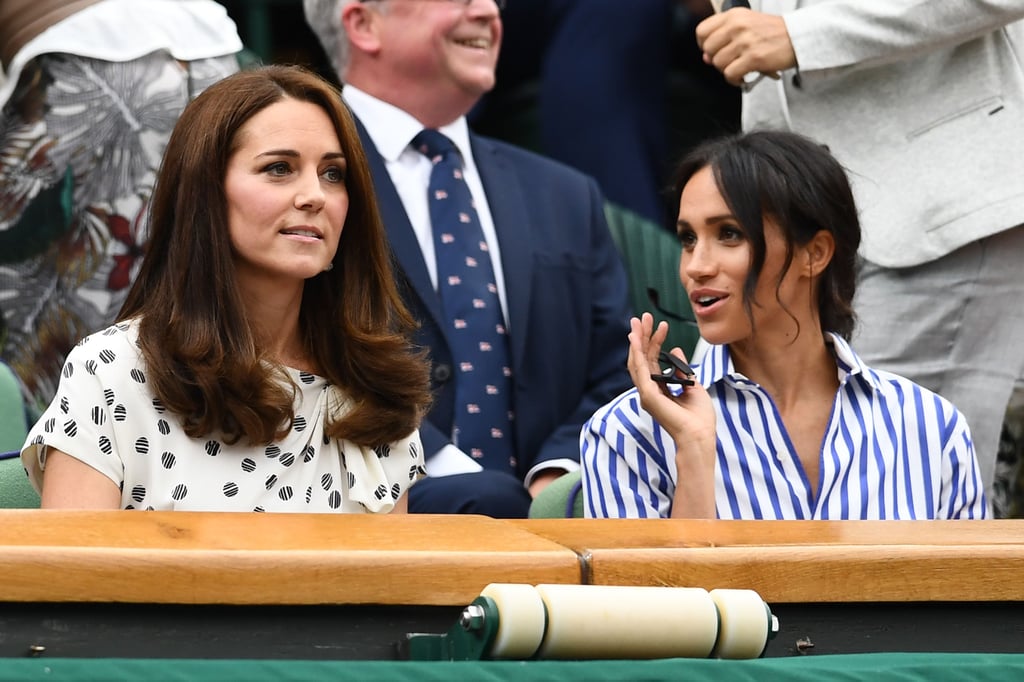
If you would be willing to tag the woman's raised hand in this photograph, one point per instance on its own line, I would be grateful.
(686, 413)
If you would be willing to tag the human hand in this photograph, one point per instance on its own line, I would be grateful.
(688, 417)
(543, 479)
(740, 41)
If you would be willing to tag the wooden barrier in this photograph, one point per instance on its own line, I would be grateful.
(836, 586)
(220, 585)
(803, 561)
(645, 533)
(225, 558)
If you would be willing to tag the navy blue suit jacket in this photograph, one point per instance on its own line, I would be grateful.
(566, 290)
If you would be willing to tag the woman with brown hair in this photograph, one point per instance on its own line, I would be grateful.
(261, 360)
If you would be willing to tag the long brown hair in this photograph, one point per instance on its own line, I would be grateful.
(203, 358)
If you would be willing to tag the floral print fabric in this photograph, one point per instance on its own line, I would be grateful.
(80, 142)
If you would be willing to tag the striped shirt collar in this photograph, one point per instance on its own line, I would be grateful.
(716, 365)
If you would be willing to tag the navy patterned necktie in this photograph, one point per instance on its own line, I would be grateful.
(470, 305)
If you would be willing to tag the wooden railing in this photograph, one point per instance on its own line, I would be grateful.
(804, 561)
(224, 558)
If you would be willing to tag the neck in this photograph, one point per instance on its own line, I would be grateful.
(790, 369)
(424, 103)
(273, 311)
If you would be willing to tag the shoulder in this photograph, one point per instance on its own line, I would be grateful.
(892, 386)
(486, 149)
(621, 413)
(900, 397)
(885, 385)
(115, 346)
(106, 368)
(905, 406)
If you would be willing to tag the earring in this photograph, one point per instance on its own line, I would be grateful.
(330, 266)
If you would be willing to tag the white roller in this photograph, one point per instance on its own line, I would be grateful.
(520, 620)
(598, 621)
(744, 623)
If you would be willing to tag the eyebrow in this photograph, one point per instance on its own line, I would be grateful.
(329, 156)
(680, 224)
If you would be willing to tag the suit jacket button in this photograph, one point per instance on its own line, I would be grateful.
(441, 373)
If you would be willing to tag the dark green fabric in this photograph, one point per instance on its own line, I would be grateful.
(651, 256)
(873, 667)
(45, 218)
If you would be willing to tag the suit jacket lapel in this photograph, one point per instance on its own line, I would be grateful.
(507, 202)
(404, 245)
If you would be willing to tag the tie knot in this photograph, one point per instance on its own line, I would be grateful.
(431, 143)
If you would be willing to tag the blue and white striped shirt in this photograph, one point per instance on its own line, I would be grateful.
(892, 450)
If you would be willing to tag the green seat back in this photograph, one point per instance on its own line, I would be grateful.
(651, 256)
(15, 490)
(13, 419)
(553, 502)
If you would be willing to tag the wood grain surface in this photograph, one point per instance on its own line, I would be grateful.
(224, 558)
(293, 559)
(803, 561)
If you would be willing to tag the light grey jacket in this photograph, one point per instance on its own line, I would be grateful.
(923, 103)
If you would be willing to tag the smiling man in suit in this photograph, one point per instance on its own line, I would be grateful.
(553, 282)
(923, 103)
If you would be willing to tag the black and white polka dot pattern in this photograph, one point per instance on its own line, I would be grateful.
(105, 414)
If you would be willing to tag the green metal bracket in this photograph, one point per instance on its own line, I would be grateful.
(469, 639)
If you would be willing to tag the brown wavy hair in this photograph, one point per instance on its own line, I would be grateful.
(204, 360)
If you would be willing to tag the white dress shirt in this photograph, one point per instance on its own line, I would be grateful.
(392, 130)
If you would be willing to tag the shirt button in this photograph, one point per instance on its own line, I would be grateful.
(441, 373)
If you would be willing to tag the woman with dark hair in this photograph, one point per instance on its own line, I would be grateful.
(781, 419)
(262, 358)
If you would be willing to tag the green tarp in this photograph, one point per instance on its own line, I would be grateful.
(872, 667)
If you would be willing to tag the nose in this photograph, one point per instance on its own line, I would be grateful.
(697, 263)
(309, 195)
(483, 8)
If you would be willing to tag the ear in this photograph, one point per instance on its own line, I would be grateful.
(361, 24)
(818, 252)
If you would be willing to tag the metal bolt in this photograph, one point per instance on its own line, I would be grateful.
(36, 650)
(472, 617)
(804, 645)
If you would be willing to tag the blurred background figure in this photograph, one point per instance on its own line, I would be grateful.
(614, 89)
(90, 90)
